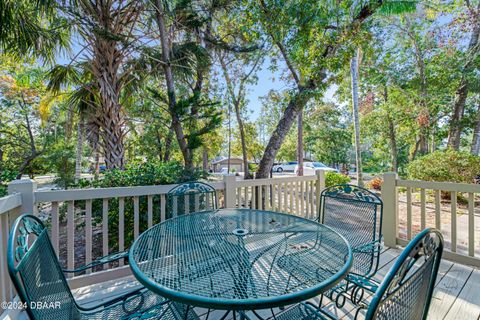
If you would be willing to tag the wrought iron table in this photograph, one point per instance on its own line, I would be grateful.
(239, 259)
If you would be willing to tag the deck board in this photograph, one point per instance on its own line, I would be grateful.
(447, 290)
(456, 295)
(467, 303)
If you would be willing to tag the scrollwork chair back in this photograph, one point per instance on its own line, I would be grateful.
(191, 197)
(356, 213)
(406, 291)
(35, 272)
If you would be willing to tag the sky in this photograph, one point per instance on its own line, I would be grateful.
(271, 81)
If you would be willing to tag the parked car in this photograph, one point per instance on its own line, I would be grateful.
(312, 167)
(223, 171)
(285, 166)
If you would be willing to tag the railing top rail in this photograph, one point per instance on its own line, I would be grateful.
(101, 193)
(268, 181)
(10, 202)
(444, 186)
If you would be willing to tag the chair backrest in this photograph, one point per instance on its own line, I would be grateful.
(406, 291)
(191, 197)
(356, 214)
(36, 274)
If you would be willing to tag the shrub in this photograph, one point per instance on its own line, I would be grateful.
(332, 178)
(3, 190)
(448, 165)
(375, 183)
(144, 174)
(252, 167)
(6, 176)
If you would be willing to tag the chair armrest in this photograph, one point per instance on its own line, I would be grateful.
(375, 246)
(103, 260)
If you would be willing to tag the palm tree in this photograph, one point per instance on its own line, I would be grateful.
(75, 81)
(107, 28)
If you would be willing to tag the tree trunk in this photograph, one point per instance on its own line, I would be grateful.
(424, 118)
(33, 149)
(475, 148)
(300, 142)
(78, 159)
(295, 105)
(237, 99)
(205, 159)
(1, 162)
(241, 129)
(229, 140)
(462, 91)
(108, 34)
(391, 134)
(393, 144)
(168, 146)
(167, 68)
(112, 133)
(458, 111)
(96, 156)
(356, 117)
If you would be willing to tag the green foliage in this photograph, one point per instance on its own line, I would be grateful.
(448, 166)
(60, 159)
(333, 178)
(6, 175)
(273, 108)
(252, 167)
(143, 174)
(327, 133)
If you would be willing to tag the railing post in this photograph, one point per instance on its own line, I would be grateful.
(320, 186)
(26, 187)
(390, 214)
(229, 190)
(321, 179)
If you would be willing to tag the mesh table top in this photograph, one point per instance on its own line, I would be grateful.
(240, 259)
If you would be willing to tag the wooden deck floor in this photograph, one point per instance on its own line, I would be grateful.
(456, 296)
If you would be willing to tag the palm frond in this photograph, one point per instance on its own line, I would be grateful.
(83, 99)
(188, 58)
(61, 76)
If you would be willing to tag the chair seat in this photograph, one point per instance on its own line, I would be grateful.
(300, 312)
(143, 305)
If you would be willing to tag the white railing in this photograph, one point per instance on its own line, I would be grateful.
(295, 195)
(85, 223)
(10, 207)
(411, 206)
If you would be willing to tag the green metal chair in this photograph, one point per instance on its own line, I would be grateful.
(191, 197)
(356, 213)
(38, 278)
(406, 291)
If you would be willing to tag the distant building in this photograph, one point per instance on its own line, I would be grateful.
(236, 164)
